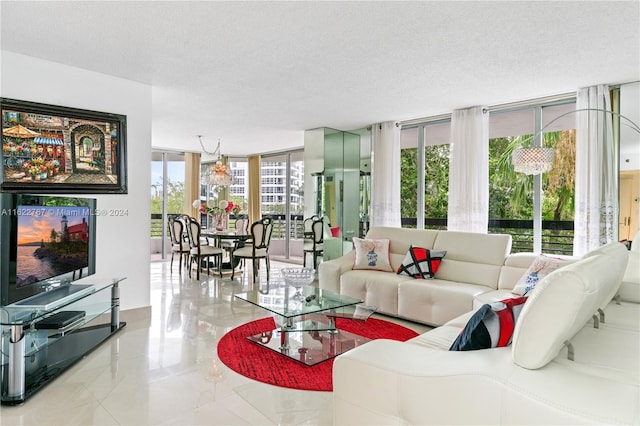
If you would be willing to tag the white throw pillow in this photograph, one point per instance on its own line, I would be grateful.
(372, 254)
(540, 268)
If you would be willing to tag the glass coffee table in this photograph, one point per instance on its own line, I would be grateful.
(307, 331)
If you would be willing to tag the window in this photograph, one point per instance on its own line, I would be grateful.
(237, 192)
(167, 194)
(283, 200)
(516, 199)
(426, 174)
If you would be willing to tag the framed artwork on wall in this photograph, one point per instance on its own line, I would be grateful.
(55, 149)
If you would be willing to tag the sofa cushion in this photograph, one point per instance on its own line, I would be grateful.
(435, 301)
(491, 326)
(472, 257)
(372, 254)
(515, 265)
(375, 288)
(558, 307)
(439, 338)
(420, 262)
(542, 266)
(403, 238)
(472, 247)
(490, 297)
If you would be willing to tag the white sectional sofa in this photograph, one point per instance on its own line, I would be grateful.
(475, 264)
(532, 381)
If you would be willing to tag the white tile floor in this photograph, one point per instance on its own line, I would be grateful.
(166, 371)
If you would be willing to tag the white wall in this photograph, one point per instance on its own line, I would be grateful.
(122, 242)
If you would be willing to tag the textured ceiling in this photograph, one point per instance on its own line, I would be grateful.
(257, 74)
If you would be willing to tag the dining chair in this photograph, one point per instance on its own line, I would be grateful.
(178, 243)
(308, 226)
(313, 242)
(259, 249)
(199, 251)
(241, 225)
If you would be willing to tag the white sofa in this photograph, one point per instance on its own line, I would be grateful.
(475, 264)
(530, 382)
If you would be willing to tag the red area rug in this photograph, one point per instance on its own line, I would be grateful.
(265, 365)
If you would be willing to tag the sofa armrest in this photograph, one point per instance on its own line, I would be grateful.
(329, 272)
(390, 382)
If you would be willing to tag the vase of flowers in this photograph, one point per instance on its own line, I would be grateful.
(220, 221)
(220, 213)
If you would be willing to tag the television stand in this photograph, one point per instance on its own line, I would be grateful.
(33, 355)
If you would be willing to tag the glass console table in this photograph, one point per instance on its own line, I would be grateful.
(36, 348)
(307, 332)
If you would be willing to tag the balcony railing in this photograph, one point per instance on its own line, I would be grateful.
(279, 226)
(557, 236)
(156, 225)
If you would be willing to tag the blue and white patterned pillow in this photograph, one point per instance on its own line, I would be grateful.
(372, 254)
(540, 268)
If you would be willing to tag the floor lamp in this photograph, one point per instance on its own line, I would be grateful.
(535, 160)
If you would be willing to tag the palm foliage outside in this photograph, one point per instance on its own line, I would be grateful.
(510, 193)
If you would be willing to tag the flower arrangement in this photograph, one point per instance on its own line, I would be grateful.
(220, 213)
(230, 207)
(13, 148)
(37, 166)
(223, 206)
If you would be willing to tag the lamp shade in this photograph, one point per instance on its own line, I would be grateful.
(532, 161)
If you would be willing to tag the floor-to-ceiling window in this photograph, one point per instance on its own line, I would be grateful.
(282, 199)
(237, 192)
(167, 196)
(537, 210)
(515, 199)
(425, 174)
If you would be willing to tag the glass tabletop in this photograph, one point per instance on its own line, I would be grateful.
(289, 302)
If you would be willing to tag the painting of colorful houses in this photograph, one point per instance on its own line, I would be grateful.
(43, 150)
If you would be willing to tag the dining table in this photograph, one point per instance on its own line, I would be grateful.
(237, 238)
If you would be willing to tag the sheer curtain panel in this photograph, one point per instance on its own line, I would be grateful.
(385, 176)
(191, 182)
(255, 187)
(596, 194)
(469, 171)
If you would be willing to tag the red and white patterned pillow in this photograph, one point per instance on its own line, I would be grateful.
(420, 262)
(491, 326)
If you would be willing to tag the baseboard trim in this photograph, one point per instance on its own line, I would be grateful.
(138, 316)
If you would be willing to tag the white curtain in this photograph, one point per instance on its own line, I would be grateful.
(385, 174)
(469, 171)
(596, 196)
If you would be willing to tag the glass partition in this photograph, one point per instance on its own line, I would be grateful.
(340, 194)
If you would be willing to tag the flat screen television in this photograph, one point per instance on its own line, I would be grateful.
(45, 241)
